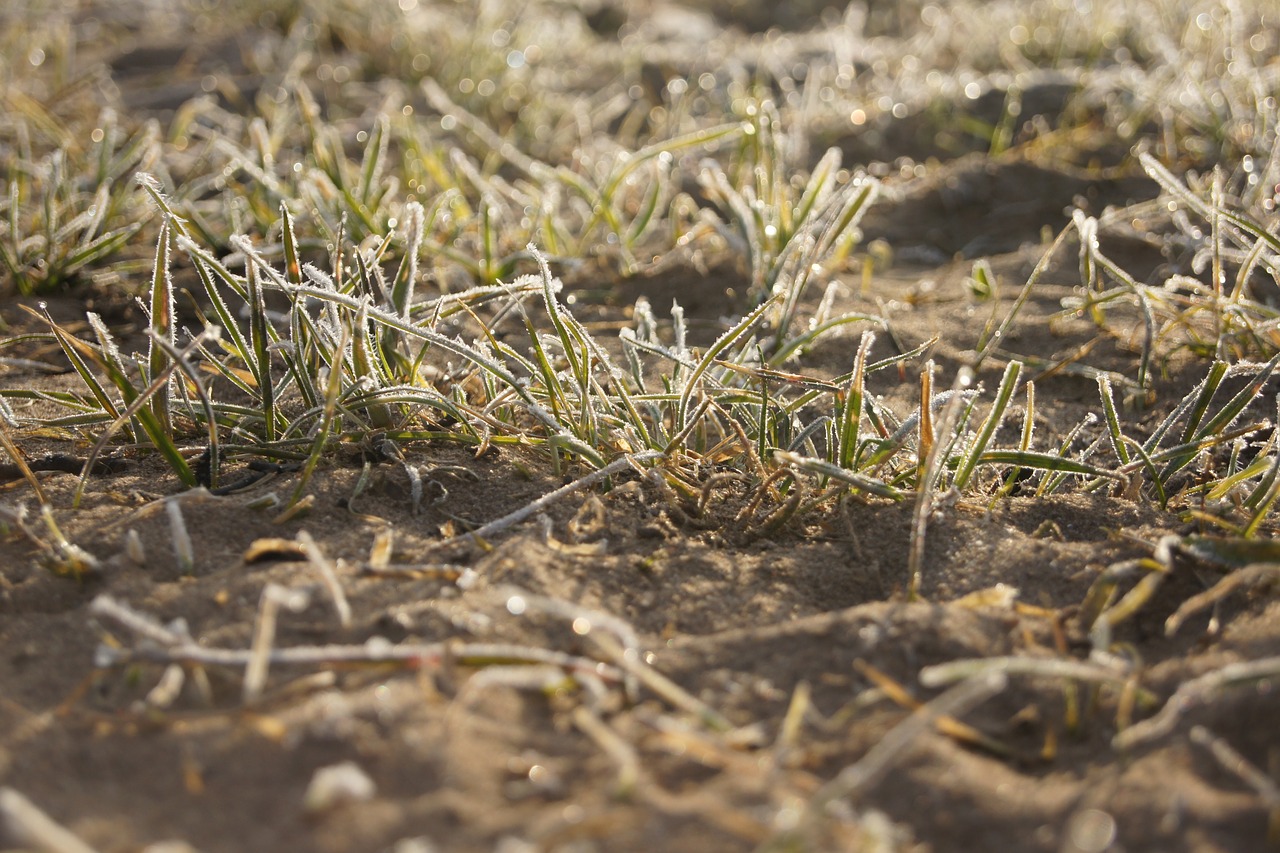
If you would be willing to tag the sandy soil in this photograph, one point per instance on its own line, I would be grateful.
(749, 618)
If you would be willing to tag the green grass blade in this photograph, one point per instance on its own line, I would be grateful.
(181, 361)
(162, 441)
(1237, 404)
(407, 274)
(1186, 198)
(237, 346)
(153, 188)
(1046, 462)
(99, 249)
(1024, 442)
(1118, 444)
(1201, 405)
(1198, 436)
(333, 390)
(258, 343)
(818, 187)
(728, 339)
(375, 153)
(1046, 260)
(78, 354)
(1008, 385)
(799, 343)
(162, 326)
(822, 467)
(289, 237)
(850, 414)
(644, 217)
(1153, 474)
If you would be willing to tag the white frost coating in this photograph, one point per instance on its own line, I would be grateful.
(337, 784)
(183, 551)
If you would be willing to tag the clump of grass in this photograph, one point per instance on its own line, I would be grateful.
(1208, 313)
(291, 203)
(385, 276)
(69, 213)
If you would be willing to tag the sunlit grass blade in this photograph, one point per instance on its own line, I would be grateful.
(407, 274)
(138, 407)
(180, 359)
(1024, 295)
(1024, 442)
(137, 153)
(259, 342)
(644, 217)
(927, 436)
(162, 326)
(930, 465)
(76, 353)
(98, 250)
(1008, 385)
(1170, 420)
(1204, 210)
(1048, 485)
(1263, 507)
(153, 188)
(850, 414)
(1046, 462)
(1118, 445)
(1197, 435)
(1237, 404)
(20, 461)
(289, 240)
(375, 154)
(1207, 389)
(799, 343)
(818, 188)
(455, 346)
(815, 241)
(332, 391)
(822, 467)
(728, 339)
(441, 101)
(1272, 475)
(363, 367)
(556, 314)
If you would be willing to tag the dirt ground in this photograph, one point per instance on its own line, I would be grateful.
(742, 616)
